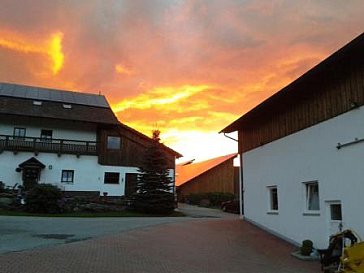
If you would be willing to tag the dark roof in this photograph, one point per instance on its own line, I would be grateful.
(55, 95)
(32, 162)
(350, 55)
(54, 109)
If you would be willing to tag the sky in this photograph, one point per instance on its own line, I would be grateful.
(186, 68)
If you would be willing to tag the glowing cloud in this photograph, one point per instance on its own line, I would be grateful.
(52, 47)
(55, 52)
(120, 69)
(159, 96)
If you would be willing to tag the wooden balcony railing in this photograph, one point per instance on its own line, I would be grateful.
(37, 144)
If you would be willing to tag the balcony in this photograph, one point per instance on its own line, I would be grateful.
(37, 144)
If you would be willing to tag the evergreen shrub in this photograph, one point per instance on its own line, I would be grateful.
(44, 198)
(306, 247)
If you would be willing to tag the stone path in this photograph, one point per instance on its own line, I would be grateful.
(223, 244)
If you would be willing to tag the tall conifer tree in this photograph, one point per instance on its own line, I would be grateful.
(154, 186)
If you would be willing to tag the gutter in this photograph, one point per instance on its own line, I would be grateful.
(240, 179)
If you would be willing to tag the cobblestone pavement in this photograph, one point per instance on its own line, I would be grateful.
(202, 245)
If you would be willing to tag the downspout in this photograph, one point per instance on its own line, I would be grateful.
(240, 180)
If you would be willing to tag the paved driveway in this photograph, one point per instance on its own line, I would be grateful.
(191, 244)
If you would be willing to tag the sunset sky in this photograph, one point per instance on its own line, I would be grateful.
(187, 68)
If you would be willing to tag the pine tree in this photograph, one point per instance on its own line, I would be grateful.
(154, 186)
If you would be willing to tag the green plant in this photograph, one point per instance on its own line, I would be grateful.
(306, 247)
(2, 187)
(195, 198)
(215, 198)
(154, 184)
(44, 198)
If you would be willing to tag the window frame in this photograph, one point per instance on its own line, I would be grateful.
(273, 200)
(111, 147)
(67, 180)
(107, 179)
(333, 212)
(309, 208)
(19, 129)
(46, 138)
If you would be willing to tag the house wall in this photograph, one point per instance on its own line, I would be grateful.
(218, 179)
(88, 170)
(308, 155)
(132, 149)
(88, 174)
(60, 130)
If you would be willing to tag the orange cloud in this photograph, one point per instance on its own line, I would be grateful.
(51, 47)
(188, 68)
(120, 69)
(159, 96)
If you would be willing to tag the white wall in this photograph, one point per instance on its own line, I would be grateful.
(88, 174)
(75, 132)
(308, 155)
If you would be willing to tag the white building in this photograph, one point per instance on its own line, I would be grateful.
(69, 139)
(302, 152)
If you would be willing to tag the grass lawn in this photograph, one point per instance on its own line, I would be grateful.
(89, 214)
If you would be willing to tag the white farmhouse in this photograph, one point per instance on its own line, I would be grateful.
(69, 139)
(302, 152)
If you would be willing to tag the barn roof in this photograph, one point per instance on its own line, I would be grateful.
(185, 173)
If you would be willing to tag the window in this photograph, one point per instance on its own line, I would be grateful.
(335, 212)
(113, 142)
(19, 132)
(312, 196)
(67, 106)
(111, 178)
(67, 176)
(273, 198)
(46, 135)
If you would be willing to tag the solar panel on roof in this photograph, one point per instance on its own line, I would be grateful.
(22, 91)
(27, 92)
(7, 90)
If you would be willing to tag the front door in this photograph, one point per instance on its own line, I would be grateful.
(130, 184)
(334, 214)
(30, 177)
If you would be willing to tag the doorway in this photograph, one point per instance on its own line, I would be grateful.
(130, 184)
(31, 170)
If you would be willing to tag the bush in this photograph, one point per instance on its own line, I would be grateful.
(195, 198)
(2, 187)
(306, 247)
(154, 202)
(215, 198)
(44, 198)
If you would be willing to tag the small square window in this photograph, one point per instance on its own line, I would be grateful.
(19, 132)
(111, 178)
(312, 196)
(46, 135)
(67, 176)
(67, 106)
(335, 211)
(273, 198)
(113, 142)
